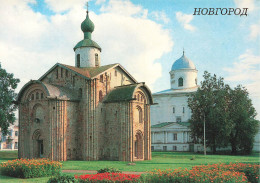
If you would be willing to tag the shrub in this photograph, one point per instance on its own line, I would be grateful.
(109, 170)
(194, 175)
(63, 179)
(108, 178)
(29, 168)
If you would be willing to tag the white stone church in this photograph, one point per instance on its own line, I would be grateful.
(169, 117)
(170, 114)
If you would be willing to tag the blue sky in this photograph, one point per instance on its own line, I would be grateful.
(151, 35)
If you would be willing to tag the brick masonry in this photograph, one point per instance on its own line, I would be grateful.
(65, 116)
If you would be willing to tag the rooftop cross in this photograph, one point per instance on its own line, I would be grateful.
(87, 6)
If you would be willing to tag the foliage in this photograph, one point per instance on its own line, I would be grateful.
(63, 179)
(228, 114)
(29, 168)
(210, 103)
(242, 115)
(207, 173)
(109, 170)
(108, 177)
(7, 97)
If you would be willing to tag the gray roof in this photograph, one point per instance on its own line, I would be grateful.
(161, 125)
(177, 91)
(183, 63)
(53, 91)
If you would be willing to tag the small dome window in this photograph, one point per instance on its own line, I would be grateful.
(96, 60)
(180, 82)
(78, 60)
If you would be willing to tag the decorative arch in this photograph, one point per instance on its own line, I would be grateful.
(38, 113)
(140, 114)
(38, 147)
(80, 93)
(139, 145)
(37, 135)
(100, 95)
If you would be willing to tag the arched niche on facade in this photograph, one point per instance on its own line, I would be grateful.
(38, 114)
(139, 145)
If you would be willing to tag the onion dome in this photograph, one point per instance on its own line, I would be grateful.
(87, 25)
(183, 63)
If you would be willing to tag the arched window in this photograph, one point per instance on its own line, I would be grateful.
(140, 114)
(80, 93)
(57, 73)
(183, 110)
(61, 72)
(96, 60)
(100, 95)
(138, 97)
(37, 96)
(78, 60)
(196, 81)
(41, 95)
(180, 81)
(173, 110)
(101, 78)
(115, 73)
(32, 97)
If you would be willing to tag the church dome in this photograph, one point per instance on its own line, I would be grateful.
(87, 25)
(183, 63)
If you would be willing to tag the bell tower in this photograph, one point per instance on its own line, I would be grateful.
(87, 51)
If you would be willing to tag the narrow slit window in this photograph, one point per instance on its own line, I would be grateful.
(78, 60)
(96, 60)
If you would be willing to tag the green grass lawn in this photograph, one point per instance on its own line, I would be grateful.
(160, 160)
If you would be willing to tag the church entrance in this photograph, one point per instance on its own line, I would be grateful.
(139, 146)
(38, 147)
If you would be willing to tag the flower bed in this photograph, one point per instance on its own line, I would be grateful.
(231, 173)
(108, 177)
(29, 168)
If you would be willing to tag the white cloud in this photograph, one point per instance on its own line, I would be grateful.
(255, 31)
(64, 5)
(246, 70)
(160, 16)
(123, 8)
(184, 20)
(31, 43)
(100, 1)
(250, 4)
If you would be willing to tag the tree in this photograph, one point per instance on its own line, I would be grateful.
(7, 97)
(242, 115)
(211, 101)
(229, 115)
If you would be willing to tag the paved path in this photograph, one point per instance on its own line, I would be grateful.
(94, 172)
